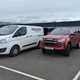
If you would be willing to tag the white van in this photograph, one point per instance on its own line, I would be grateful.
(15, 38)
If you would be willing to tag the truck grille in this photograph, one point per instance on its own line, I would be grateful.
(52, 43)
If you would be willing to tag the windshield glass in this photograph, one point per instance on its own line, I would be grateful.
(6, 30)
(61, 31)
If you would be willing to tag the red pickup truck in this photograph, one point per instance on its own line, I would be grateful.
(61, 39)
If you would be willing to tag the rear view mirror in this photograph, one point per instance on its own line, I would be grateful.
(72, 35)
(78, 31)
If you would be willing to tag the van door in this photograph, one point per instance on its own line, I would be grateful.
(37, 33)
(21, 37)
(32, 37)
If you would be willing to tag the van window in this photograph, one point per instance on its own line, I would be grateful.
(36, 29)
(21, 32)
(6, 30)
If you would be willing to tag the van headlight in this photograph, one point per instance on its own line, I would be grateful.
(2, 41)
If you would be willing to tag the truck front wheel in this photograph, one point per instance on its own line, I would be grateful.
(67, 50)
(77, 45)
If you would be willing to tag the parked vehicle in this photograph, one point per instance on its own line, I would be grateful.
(61, 39)
(15, 38)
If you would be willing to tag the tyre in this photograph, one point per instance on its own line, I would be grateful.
(44, 51)
(67, 50)
(77, 45)
(38, 45)
(14, 51)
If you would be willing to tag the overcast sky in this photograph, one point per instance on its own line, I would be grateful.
(51, 7)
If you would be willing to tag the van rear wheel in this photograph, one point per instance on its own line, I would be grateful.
(38, 45)
(14, 51)
(44, 51)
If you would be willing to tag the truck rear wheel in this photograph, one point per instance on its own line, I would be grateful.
(67, 50)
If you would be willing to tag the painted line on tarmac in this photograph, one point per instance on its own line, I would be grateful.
(77, 76)
(21, 73)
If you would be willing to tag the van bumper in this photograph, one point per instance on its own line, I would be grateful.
(4, 49)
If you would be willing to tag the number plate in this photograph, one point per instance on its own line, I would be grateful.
(49, 48)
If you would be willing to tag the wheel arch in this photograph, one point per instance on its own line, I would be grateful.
(15, 46)
(67, 41)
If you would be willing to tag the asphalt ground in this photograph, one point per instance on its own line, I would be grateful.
(48, 67)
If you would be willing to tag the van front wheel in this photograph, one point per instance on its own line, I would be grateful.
(14, 51)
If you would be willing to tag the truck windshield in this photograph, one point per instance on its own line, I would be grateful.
(61, 31)
(6, 30)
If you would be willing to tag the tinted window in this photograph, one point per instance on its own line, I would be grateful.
(22, 31)
(61, 31)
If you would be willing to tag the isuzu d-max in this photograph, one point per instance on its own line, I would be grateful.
(61, 39)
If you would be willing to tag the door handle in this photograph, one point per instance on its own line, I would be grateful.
(29, 36)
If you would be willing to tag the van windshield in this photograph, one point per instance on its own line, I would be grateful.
(6, 30)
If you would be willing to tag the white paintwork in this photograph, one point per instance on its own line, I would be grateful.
(77, 76)
(22, 40)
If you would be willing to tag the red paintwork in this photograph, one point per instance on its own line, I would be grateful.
(65, 39)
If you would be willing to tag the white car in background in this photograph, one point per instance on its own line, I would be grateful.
(15, 38)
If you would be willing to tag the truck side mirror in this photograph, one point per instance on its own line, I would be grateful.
(72, 34)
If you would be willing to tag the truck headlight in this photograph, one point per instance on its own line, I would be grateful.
(3, 41)
(61, 42)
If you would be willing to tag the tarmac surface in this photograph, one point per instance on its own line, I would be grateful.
(46, 67)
